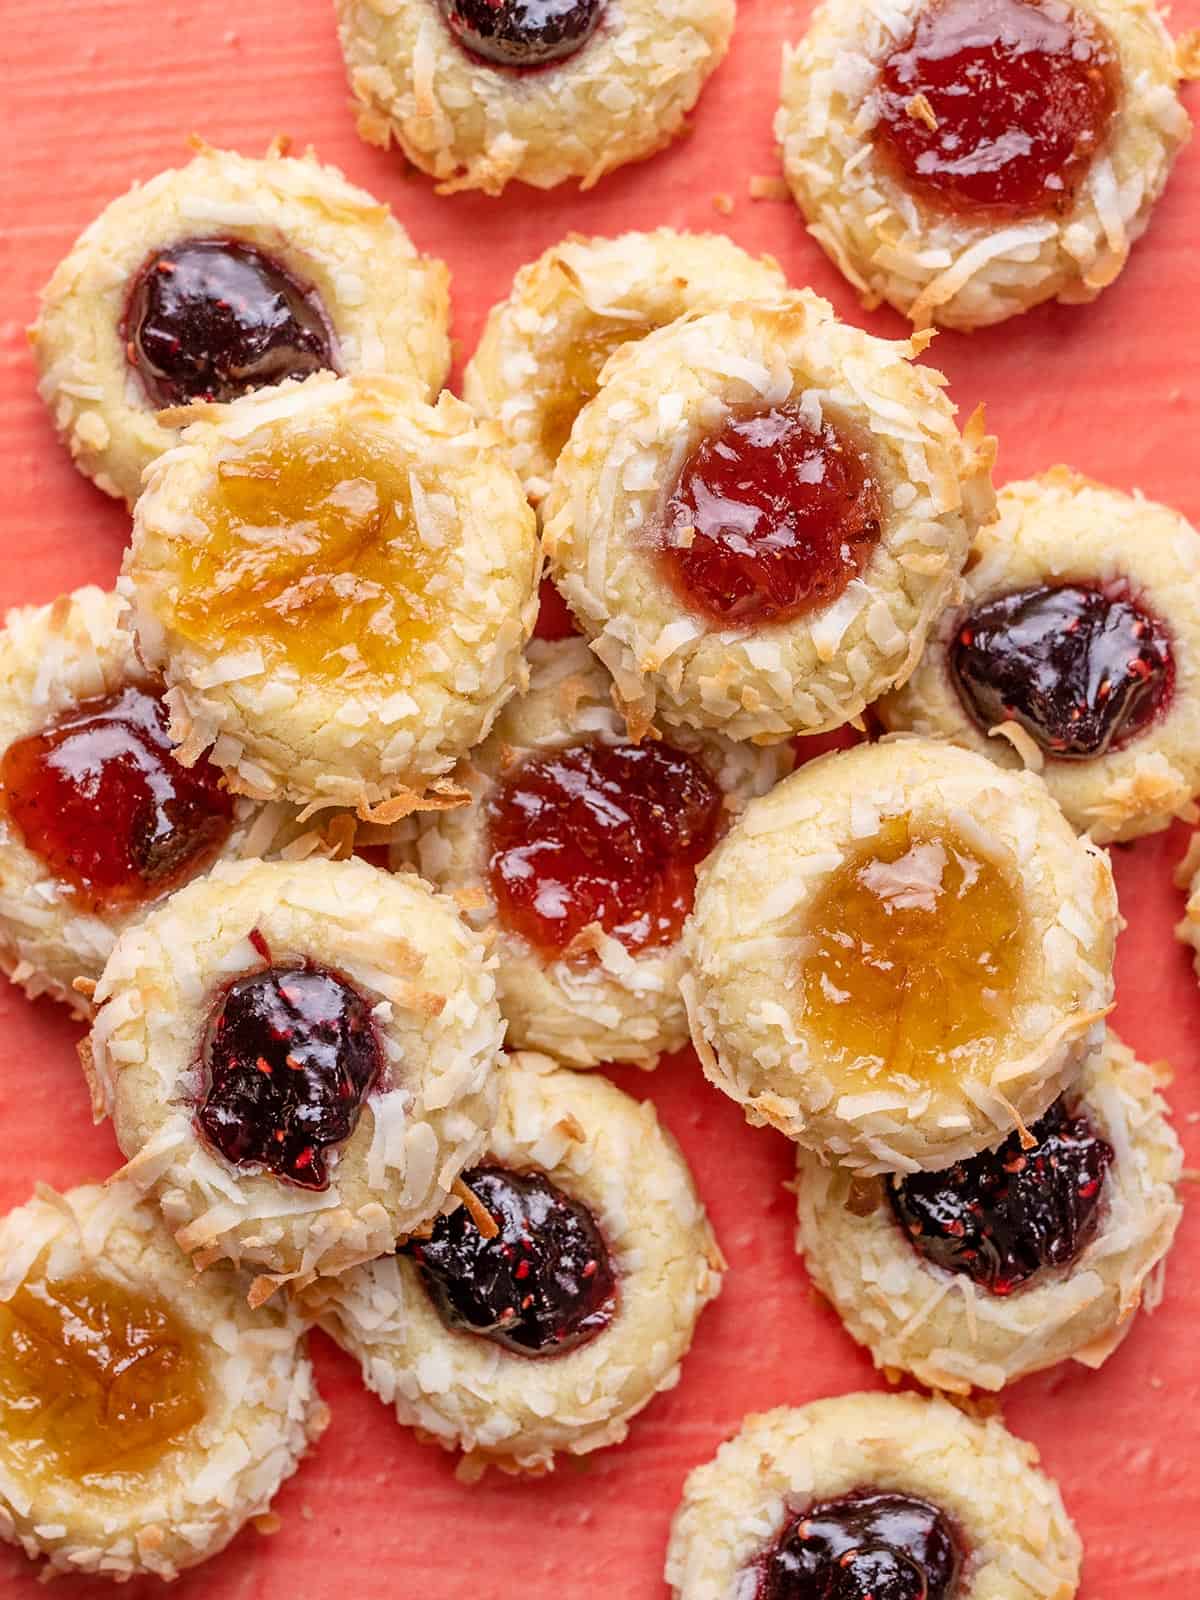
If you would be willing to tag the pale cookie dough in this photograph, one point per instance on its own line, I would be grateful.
(617, 1005)
(473, 125)
(661, 397)
(961, 271)
(515, 1411)
(543, 349)
(357, 666)
(748, 938)
(951, 1333)
(1063, 528)
(258, 1406)
(432, 993)
(387, 306)
(1020, 1542)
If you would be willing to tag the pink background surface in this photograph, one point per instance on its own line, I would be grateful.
(99, 92)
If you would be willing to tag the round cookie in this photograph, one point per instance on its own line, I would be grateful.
(301, 236)
(558, 791)
(1006, 1517)
(298, 1060)
(965, 185)
(899, 954)
(154, 1467)
(1132, 759)
(543, 349)
(1187, 876)
(336, 581)
(954, 1332)
(759, 516)
(494, 1394)
(539, 118)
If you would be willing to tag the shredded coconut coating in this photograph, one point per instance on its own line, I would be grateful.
(388, 307)
(1064, 528)
(471, 125)
(617, 1005)
(744, 946)
(262, 1406)
(1020, 1543)
(364, 739)
(433, 998)
(582, 289)
(953, 1335)
(959, 271)
(607, 1151)
(660, 398)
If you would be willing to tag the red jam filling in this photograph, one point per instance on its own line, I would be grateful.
(869, 1545)
(769, 520)
(997, 106)
(99, 797)
(522, 33)
(600, 833)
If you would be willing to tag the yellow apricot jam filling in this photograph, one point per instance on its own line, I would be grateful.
(574, 378)
(96, 1383)
(913, 951)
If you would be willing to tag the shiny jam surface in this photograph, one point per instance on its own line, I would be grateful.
(99, 797)
(96, 1382)
(575, 378)
(770, 519)
(314, 554)
(599, 833)
(542, 1286)
(1082, 669)
(869, 1545)
(997, 106)
(1008, 1214)
(212, 319)
(522, 33)
(290, 1056)
(913, 950)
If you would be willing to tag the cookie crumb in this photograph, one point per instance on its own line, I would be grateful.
(763, 187)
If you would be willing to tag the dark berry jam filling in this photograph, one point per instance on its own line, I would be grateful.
(212, 319)
(998, 106)
(99, 797)
(1007, 1214)
(543, 1285)
(869, 1545)
(770, 519)
(600, 833)
(522, 33)
(290, 1056)
(1083, 670)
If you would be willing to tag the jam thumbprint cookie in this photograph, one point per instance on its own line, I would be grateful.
(145, 1416)
(478, 93)
(543, 349)
(1076, 651)
(759, 516)
(1016, 1258)
(899, 955)
(336, 581)
(544, 1314)
(298, 1060)
(872, 1497)
(967, 159)
(580, 849)
(219, 278)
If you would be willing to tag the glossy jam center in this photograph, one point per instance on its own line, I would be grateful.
(914, 948)
(212, 319)
(770, 519)
(522, 33)
(315, 556)
(599, 833)
(1083, 670)
(574, 379)
(290, 1057)
(99, 797)
(869, 1545)
(997, 106)
(542, 1286)
(96, 1382)
(1008, 1214)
